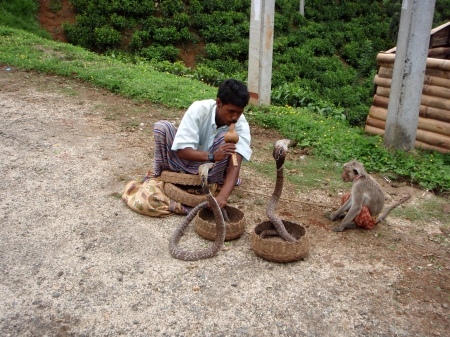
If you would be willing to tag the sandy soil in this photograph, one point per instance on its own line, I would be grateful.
(76, 261)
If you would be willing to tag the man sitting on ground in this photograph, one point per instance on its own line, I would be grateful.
(200, 138)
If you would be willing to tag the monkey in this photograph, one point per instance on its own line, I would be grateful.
(365, 202)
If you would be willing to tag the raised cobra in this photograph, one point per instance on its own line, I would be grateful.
(280, 150)
(177, 252)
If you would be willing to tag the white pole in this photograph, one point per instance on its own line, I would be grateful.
(261, 51)
(302, 7)
(408, 74)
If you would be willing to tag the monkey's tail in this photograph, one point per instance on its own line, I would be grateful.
(390, 208)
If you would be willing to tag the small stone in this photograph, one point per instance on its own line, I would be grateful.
(445, 305)
(135, 322)
(234, 284)
(55, 294)
(60, 273)
(184, 300)
(196, 288)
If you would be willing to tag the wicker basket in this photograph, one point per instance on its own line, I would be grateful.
(205, 224)
(181, 195)
(180, 178)
(275, 248)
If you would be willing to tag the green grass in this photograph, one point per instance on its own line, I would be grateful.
(307, 174)
(21, 14)
(330, 139)
(334, 143)
(139, 81)
(430, 209)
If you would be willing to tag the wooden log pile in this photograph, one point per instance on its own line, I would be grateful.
(433, 130)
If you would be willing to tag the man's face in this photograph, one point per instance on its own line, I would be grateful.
(227, 114)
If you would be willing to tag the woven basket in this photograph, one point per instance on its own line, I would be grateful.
(205, 224)
(181, 195)
(275, 248)
(180, 178)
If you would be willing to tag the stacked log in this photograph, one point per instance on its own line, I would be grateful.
(433, 130)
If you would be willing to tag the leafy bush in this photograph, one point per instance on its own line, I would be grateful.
(160, 53)
(119, 22)
(237, 50)
(170, 7)
(180, 20)
(213, 51)
(166, 35)
(281, 24)
(78, 35)
(226, 66)
(139, 39)
(208, 75)
(106, 37)
(195, 7)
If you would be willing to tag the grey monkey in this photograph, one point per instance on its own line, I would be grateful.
(365, 192)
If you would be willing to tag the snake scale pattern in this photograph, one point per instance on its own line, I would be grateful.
(212, 250)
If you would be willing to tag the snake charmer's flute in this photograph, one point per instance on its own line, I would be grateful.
(231, 136)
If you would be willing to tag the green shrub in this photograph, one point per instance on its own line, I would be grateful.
(92, 20)
(160, 53)
(195, 7)
(237, 50)
(139, 39)
(106, 37)
(209, 75)
(226, 66)
(210, 6)
(55, 5)
(78, 36)
(166, 35)
(281, 24)
(118, 21)
(213, 51)
(169, 7)
(181, 20)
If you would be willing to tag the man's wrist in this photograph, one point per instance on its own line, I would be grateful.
(211, 157)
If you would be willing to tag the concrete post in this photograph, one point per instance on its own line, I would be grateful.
(261, 51)
(408, 74)
(302, 7)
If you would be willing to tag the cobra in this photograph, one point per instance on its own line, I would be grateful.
(212, 250)
(280, 150)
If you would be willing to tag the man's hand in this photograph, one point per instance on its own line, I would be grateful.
(224, 151)
(221, 201)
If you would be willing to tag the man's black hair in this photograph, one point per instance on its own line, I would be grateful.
(234, 92)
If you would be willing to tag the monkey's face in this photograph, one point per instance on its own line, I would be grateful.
(347, 175)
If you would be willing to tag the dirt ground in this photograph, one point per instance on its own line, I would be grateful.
(76, 261)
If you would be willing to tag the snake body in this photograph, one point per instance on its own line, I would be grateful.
(280, 150)
(212, 250)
